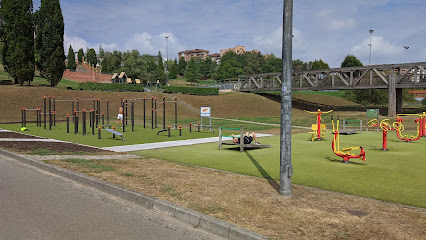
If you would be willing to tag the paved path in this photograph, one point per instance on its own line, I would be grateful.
(28, 140)
(146, 146)
(39, 205)
(86, 157)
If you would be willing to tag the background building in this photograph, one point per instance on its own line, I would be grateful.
(199, 53)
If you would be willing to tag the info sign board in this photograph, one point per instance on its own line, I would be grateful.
(205, 112)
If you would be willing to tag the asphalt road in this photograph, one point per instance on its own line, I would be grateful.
(38, 205)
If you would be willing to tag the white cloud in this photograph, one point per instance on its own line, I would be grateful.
(330, 21)
(380, 49)
(77, 43)
(151, 44)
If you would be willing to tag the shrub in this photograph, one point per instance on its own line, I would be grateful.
(192, 90)
(91, 86)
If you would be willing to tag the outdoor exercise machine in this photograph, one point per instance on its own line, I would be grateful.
(344, 153)
(241, 142)
(386, 127)
(154, 109)
(168, 131)
(318, 129)
(399, 127)
(24, 116)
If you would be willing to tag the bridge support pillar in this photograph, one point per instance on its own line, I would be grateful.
(392, 96)
(399, 100)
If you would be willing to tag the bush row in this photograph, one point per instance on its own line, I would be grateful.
(91, 86)
(192, 90)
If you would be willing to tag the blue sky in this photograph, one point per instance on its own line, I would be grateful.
(323, 29)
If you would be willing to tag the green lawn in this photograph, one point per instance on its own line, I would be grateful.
(395, 176)
(139, 136)
(38, 81)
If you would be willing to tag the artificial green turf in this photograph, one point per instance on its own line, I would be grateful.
(395, 176)
(139, 136)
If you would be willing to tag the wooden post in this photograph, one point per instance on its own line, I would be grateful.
(68, 123)
(164, 112)
(392, 95)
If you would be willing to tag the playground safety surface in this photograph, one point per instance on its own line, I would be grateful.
(56, 147)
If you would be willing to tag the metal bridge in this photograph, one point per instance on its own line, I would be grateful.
(393, 77)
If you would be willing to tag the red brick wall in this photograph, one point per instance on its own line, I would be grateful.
(87, 77)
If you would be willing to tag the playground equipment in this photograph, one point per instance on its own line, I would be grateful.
(114, 133)
(344, 153)
(399, 127)
(241, 143)
(318, 129)
(154, 122)
(168, 131)
(385, 126)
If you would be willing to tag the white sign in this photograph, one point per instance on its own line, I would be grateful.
(205, 112)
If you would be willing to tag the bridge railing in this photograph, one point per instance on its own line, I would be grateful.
(409, 75)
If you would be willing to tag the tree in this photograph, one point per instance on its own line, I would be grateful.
(351, 61)
(272, 64)
(173, 70)
(133, 64)
(230, 66)
(192, 71)
(17, 35)
(80, 55)
(91, 57)
(71, 59)
(207, 68)
(182, 66)
(299, 65)
(101, 54)
(318, 65)
(49, 41)
(252, 62)
(374, 96)
(159, 73)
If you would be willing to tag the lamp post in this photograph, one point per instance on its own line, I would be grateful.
(167, 60)
(369, 57)
(406, 48)
(286, 169)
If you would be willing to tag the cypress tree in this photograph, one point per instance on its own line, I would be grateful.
(17, 34)
(159, 73)
(71, 59)
(80, 55)
(91, 57)
(50, 41)
(182, 66)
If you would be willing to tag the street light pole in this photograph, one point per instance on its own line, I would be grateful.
(369, 57)
(406, 47)
(167, 61)
(286, 169)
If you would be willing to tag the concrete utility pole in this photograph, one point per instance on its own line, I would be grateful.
(286, 169)
(167, 61)
(369, 56)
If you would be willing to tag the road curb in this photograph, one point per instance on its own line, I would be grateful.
(196, 219)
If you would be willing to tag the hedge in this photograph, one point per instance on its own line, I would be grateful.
(192, 90)
(91, 86)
